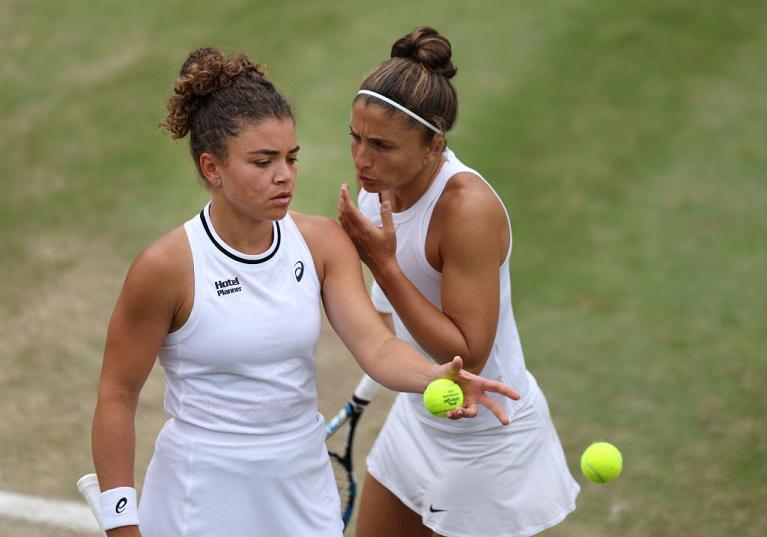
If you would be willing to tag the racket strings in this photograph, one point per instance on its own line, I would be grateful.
(344, 483)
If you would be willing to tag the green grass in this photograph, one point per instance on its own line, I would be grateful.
(626, 138)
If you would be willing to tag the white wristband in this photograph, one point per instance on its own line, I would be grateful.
(118, 508)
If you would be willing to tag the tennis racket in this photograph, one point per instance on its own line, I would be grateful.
(342, 462)
(88, 485)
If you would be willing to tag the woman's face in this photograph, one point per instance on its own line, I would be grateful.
(388, 153)
(258, 176)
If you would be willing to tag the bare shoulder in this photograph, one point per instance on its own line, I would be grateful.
(168, 256)
(159, 282)
(164, 270)
(326, 239)
(313, 226)
(467, 198)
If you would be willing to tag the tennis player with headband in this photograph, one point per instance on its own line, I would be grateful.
(231, 301)
(437, 239)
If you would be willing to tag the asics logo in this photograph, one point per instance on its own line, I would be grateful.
(298, 269)
(121, 504)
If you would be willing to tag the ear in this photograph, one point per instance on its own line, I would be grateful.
(210, 165)
(436, 146)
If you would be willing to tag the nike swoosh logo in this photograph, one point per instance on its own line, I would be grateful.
(431, 509)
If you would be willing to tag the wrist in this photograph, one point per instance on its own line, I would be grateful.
(386, 275)
(124, 531)
(119, 508)
(435, 372)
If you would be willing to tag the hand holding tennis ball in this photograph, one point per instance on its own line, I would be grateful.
(441, 396)
(458, 394)
(601, 462)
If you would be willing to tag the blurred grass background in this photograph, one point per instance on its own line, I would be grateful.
(627, 139)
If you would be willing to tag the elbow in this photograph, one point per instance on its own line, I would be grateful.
(473, 364)
(112, 397)
(474, 360)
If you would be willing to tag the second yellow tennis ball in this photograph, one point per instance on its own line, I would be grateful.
(601, 462)
(441, 396)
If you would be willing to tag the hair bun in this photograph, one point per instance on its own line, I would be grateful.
(427, 47)
(206, 70)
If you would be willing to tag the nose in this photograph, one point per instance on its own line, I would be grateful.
(283, 173)
(361, 156)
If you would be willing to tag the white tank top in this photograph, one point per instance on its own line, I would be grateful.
(506, 361)
(244, 360)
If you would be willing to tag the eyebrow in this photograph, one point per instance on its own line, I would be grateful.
(375, 138)
(271, 152)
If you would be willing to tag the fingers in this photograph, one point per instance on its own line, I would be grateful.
(502, 389)
(345, 204)
(348, 215)
(387, 225)
(496, 409)
(468, 411)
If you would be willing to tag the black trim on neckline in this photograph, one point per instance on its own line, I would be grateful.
(230, 254)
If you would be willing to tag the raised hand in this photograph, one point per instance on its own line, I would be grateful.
(376, 246)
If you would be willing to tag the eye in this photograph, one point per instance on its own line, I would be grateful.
(383, 146)
(262, 163)
(292, 160)
(355, 137)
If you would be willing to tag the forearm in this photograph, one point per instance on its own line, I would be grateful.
(396, 365)
(434, 331)
(113, 441)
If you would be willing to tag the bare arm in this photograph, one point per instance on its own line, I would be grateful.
(390, 361)
(142, 317)
(471, 231)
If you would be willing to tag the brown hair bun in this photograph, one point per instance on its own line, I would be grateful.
(426, 46)
(214, 94)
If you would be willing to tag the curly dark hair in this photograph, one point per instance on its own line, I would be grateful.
(214, 94)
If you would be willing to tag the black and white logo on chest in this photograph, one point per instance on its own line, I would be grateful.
(298, 270)
(228, 286)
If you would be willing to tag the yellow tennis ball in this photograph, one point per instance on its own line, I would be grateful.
(441, 396)
(601, 462)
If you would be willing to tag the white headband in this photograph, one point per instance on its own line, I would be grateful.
(401, 108)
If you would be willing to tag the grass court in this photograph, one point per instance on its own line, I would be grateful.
(626, 138)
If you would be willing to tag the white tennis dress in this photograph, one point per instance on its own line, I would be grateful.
(472, 477)
(244, 451)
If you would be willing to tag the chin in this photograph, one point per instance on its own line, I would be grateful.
(373, 188)
(280, 214)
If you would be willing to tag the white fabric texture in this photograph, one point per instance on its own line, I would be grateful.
(203, 483)
(118, 508)
(510, 481)
(244, 360)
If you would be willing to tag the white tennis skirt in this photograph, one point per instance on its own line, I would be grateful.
(508, 481)
(202, 483)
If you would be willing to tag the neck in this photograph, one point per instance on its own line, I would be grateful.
(238, 230)
(404, 197)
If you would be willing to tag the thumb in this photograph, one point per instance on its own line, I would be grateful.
(455, 366)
